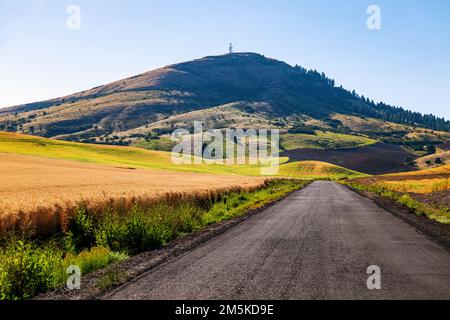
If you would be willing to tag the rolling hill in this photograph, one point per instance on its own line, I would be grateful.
(132, 158)
(241, 90)
(256, 84)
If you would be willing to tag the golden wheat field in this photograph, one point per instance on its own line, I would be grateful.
(422, 181)
(28, 183)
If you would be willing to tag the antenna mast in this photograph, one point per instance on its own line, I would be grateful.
(230, 48)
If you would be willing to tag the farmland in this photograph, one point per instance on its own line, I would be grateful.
(40, 173)
(426, 191)
(92, 205)
(377, 158)
(423, 181)
(31, 182)
(137, 158)
(89, 179)
(65, 203)
(323, 140)
(93, 234)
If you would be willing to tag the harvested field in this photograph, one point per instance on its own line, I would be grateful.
(423, 181)
(380, 158)
(417, 186)
(31, 182)
(441, 172)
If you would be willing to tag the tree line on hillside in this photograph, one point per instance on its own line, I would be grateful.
(380, 110)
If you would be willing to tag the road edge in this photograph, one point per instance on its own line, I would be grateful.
(434, 230)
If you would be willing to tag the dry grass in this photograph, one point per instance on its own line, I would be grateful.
(47, 221)
(368, 124)
(29, 183)
(229, 115)
(430, 160)
(324, 140)
(423, 181)
(441, 171)
(417, 186)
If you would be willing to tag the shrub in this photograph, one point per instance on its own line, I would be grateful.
(81, 229)
(90, 260)
(27, 270)
(133, 233)
(140, 230)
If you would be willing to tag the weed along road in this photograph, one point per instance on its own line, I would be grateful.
(323, 242)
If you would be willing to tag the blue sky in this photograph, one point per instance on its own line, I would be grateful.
(406, 63)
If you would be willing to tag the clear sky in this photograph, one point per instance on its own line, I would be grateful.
(406, 63)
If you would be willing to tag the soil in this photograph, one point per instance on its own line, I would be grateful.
(380, 158)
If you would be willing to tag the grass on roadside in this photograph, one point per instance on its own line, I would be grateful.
(441, 215)
(97, 234)
(423, 186)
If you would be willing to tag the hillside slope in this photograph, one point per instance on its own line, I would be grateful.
(267, 87)
(131, 158)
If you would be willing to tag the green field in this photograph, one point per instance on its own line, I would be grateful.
(133, 157)
(323, 140)
(160, 144)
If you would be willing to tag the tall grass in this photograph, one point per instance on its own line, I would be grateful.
(94, 234)
(441, 186)
(441, 215)
(27, 268)
(416, 186)
(47, 221)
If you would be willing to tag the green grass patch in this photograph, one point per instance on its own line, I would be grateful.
(157, 144)
(324, 140)
(28, 268)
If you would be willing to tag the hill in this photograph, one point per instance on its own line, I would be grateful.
(132, 158)
(281, 94)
